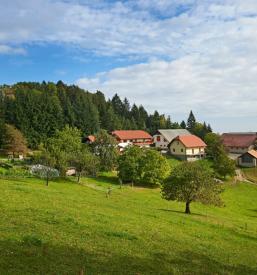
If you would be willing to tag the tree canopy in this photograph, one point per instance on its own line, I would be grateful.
(192, 182)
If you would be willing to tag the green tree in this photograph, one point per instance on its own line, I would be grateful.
(191, 121)
(44, 166)
(183, 124)
(105, 147)
(191, 182)
(14, 142)
(128, 164)
(63, 145)
(85, 163)
(2, 121)
(214, 146)
(224, 166)
(153, 168)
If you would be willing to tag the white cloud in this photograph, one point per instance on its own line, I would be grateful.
(5, 49)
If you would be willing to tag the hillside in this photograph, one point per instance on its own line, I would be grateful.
(66, 227)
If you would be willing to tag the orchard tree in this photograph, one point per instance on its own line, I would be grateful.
(192, 182)
(63, 145)
(153, 168)
(128, 164)
(224, 166)
(44, 166)
(14, 141)
(85, 163)
(105, 147)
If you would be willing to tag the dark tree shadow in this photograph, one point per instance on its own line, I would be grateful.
(181, 212)
(34, 257)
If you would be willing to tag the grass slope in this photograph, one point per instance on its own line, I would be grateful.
(66, 227)
(250, 174)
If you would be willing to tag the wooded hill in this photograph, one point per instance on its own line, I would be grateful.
(39, 109)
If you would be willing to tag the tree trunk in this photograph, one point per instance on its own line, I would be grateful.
(187, 211)
(47, 179)
(78, 177)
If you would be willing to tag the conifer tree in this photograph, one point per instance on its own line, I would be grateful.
(191, 121)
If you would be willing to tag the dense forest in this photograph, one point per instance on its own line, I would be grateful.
(39, 109)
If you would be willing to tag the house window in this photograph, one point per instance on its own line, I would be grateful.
(193, 151)
(174, 150)
(182, 150)
(158, 138)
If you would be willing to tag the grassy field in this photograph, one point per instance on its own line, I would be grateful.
(66, 227)
(250, 174)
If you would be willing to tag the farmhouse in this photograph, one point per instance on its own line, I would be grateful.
(239, 143)
(163, 137)
(248, 159)
(188, 147)
(135, 137)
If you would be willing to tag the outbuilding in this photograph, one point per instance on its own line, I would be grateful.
(248, 159)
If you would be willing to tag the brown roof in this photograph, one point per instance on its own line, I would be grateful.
(131, 134)
(191, 141)
(253, 153)
(238, 139)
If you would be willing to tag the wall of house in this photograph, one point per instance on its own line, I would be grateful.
(178, 150)
(247, 162)
(240, 150)
(163, 143)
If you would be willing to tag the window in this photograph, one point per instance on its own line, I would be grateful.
(182, 150)
(174, 150)
(193, 151)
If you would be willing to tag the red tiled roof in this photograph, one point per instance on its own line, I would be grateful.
(131, 134)
(253, 153)
(191, 141)
(238, 139)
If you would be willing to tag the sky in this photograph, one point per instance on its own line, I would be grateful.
(170, 55)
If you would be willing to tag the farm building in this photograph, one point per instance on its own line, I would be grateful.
(248, 159)
(163, 137)
(188, 147)
(135, 137)
(239, 143)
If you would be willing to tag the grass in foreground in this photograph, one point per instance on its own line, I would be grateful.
(65, 227)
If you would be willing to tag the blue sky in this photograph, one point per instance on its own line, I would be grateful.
(172, 56)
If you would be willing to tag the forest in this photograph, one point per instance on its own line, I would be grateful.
(38, 110)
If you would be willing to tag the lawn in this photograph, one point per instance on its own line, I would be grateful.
(250, 174)
(65, 228)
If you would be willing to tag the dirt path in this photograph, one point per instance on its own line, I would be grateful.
(240, 177)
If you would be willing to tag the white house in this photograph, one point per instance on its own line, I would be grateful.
(163, 137)
(188, 148)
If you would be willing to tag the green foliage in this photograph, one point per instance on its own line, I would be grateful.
(105, 147)
(191, 121)
(63, 145)
(153, 168)
(85, 162)
(224, 166)
(2, 121)
(142, 166)
(214, 146)
(128, 164)
(191, 182)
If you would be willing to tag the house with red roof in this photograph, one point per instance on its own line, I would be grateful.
(135, 137)
(239, 143)
(187, 147)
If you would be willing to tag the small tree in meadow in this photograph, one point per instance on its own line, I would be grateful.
(153, 168)
(128, 164)
(192, 182)
(224, 166)
(85, 163)
(44, 166)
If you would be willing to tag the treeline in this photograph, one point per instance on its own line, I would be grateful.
(38, 110)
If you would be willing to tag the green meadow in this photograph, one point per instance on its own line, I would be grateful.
(66, 228)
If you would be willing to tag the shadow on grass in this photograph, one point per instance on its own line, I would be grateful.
(37, 257)
(181, 212)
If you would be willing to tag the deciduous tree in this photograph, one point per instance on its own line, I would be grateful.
(192, 182)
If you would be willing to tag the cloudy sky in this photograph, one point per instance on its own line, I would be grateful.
(169, 55)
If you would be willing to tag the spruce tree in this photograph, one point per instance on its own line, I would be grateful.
(191, 122)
